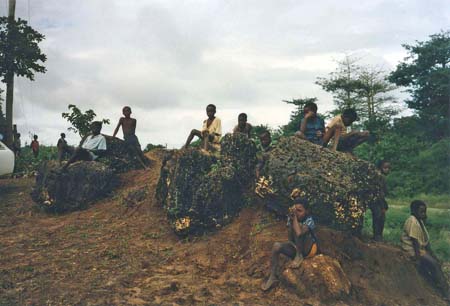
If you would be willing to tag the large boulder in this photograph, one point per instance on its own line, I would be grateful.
(338, 186)
(118, 157)
(201, 191)
(72, 189)
(319, 276)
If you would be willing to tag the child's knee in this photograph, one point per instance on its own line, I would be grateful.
(276, 248)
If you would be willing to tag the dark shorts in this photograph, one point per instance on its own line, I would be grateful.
(132, 141)
(348, 142)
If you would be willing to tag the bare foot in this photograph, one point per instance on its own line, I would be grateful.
(269, 283)
(296, 262)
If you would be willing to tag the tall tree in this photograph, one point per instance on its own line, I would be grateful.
(425, 71)
(20, 55)
(364, 88)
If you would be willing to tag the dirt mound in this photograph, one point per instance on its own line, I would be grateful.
(74, 189)
(201, 191)
(122, 251)
(338, 186)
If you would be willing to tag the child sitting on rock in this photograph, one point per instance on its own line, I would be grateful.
(337, 131)
(211, 131)
(302, 240)
(416, 242)
(91, 147)
(312, 127)
(129, 135)
(242, 126)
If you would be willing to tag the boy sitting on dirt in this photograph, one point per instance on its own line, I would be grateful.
(91, 147)
(129, 135)
(337, 130)
(380, 207)
(415, 241)
(242, 126)
(312, 127)
(211, 131)
(302, 240)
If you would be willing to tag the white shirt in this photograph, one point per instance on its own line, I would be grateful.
(92, 142)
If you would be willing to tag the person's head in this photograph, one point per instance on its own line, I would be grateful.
(265, 139)
(211, 111)
(310, 107)
(349, 116)
(63, 135)
(35, 137)
(419, 209)
(242, 120)
(96, 127)
(18, 135)
(300, 208)
(126, 111)
(384, 166)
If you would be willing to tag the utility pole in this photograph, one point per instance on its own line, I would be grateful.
(10, 79)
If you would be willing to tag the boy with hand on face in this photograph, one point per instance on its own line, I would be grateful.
(302, 240)
(129, 134)
(416, 242)
(337, 130)
(312, 127)
(91, 147)
(211, 130)
(243, 127)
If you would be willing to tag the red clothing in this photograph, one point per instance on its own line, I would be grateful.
(35, 145)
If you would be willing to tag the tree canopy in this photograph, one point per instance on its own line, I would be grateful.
(426, 74)
(80, 121)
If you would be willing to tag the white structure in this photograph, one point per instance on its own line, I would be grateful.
(6, 159)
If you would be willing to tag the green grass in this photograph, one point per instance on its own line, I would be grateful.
(438, 222)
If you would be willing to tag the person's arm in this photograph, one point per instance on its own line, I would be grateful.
(250, 127)
(416, 247)
(117, 127)
(337, 136)
(301, 132)
(298, 228)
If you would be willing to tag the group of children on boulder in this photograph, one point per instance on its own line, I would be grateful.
(302, 241)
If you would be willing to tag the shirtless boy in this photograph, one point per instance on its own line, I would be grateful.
(129, 128)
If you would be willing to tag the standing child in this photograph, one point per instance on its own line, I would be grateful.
(416, 242)
(129, 134)
(35, 146)
(211, 130)
(312, 127)
(63, 148)
(242, 126)
(380, 207)
(337, 130)
(302, 241)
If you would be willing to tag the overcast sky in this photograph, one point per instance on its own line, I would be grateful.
(169, 59)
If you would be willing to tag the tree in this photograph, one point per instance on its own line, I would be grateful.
(343, 84)
(81, 121)
(426, 74)
(20, 55)
(364, 88)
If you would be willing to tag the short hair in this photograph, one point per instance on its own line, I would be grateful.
(243, 116)
(350, 113)
(35, 136)
(311, 105)
(264, 133)
(126, 107)
(414, 207)
(211, 105)
(18, 134)
(302, 201)
(98, 123)
(63, 135)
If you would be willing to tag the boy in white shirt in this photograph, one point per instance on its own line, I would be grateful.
(211, 130)
(91, 147)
